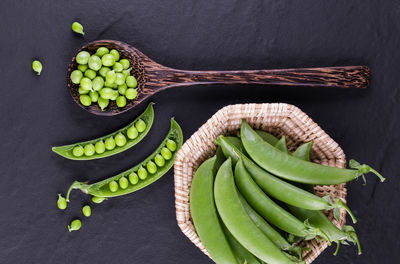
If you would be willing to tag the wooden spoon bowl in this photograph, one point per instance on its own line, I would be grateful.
(153, 77)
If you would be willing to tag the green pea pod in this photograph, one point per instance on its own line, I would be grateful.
(281, 145)
(271, 139)
(291, 168)
(303, 151)
(204, 214)
(102, 189)
(147, 116)
(280, 189)
(239, 223)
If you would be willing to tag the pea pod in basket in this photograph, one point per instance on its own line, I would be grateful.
(141, 175)
(110, 144)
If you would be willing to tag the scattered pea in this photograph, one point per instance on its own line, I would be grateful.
(108, 60)
(98, 200)
(94, 96)
(76, 76)
(171, 145)
(103, 103)
(75, 225)
(37, 66)
(86, 83)
(159, 160)
(140, 125)
(89, 150)
(97, 83)
(82, 67)
(103, 71)
(119, 78)
(77, 28)
(77, 151)
(102, 51)
(61, 202)
(166, 153)
(82, 57)
(133, 178)
(113, 186)
(122, 89)
(121, 101)
(91, 74)
(142, 173)
(115, 54)
(131, 93)
(100, 147)
(125, 63)
(131, 81)
(94, 63)
(151, 167)
(110, 143)
(120, 140)
(118, 67)
(86, 210)
(106, 93)
(85, 99)
(132, 132)
(123, 183)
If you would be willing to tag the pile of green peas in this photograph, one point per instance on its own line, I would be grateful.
(102, 77)
(150, 168)
(110, 143)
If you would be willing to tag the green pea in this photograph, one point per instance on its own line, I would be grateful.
(114, 95)
(108, 60)
(76, 76)
(159, 160)
(77, 151)
(82, 91)
(89, 150)
(142, 173)
(91, 74)
(151, 167)
(37, 66)
(171, 145)
(123, 183)
(94, 96)
(131, 93)
(86, 83)
(82, 57)
(133, 178)
(140, 125)
(120, 140)
(94, 62)
(113, 186)
(100, 147)
(127, 72)
(132, 132)
(85, 99)
(97, 83)
(111, 76)
(103, 103)
(115, 53)
(111, 85)
(131, 81)
(110, 143)
(77, 28)
(121, 101)
(122, 89)
(166, 153)
(82, 67)
(61, 202)
(119, 78)
(102, 51)
(75, 225)
(103, 71)
(118, 67)
(86, 210)
(125, 63)
(106, 93)
(98, 200)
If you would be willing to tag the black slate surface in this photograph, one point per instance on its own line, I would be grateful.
(37, 112)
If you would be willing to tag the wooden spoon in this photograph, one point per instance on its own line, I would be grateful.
(153, 77)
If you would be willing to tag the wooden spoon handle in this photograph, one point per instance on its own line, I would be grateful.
(339, 77)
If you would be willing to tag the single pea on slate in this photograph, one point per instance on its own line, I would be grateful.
(37, 66)
(77, 28)
(61, 202)
(75, 225)
(86, 210)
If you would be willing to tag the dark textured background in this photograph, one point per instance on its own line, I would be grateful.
(38, 112)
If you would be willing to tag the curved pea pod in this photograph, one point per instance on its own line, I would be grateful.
(147, 116)
(281, 145)
(303, 151)
(101, 188)
(291, 168)
(271, 139)
(204, 214)
(239, 223)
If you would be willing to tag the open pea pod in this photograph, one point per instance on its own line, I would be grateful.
(141, 175)
(131, 139)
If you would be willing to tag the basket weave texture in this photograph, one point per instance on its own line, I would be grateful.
(278, 119)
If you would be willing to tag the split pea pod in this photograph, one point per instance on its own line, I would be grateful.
(141, 175)
(110, 144)
(204, 214)
(238, 222)
(291, 168)
(277, 188)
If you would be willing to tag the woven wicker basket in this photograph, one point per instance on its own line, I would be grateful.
(278, 119)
